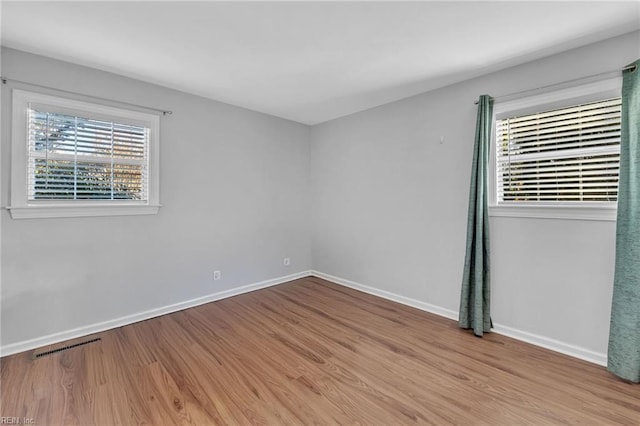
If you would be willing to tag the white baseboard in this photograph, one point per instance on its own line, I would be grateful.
(534, 339)
(552, 344)
(545, 342)
(50, 339)
(434, 309)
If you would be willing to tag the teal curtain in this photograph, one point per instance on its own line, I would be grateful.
(624, 332)
(476, 292)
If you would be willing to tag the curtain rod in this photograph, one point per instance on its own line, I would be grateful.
(162, 111)
(631, 68)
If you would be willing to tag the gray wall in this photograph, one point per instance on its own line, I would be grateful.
(373, 197)
(389, 210)
(234, 190)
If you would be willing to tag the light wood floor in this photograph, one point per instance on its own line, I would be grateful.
(310, 352)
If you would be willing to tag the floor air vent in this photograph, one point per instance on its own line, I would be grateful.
(64, 348)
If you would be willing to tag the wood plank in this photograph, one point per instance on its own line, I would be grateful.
(309, 352)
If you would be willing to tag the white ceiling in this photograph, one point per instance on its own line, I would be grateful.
(308, 61)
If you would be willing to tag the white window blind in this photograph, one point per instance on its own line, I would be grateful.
(78, 158)
(566, 155)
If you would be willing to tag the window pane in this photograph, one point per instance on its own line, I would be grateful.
(77, 158)
(565, 155)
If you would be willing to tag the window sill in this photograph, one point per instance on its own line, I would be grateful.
(555, 212)
(40, 212)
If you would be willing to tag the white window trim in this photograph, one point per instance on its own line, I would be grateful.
(22, 208)
(560, 98)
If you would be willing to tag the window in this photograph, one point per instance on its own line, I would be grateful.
(72, 158)
(557, 155)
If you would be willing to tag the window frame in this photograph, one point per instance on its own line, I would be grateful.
(23, 208)
(585, 93)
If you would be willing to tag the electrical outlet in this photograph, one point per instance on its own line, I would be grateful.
(286, 261)
(217, 275)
